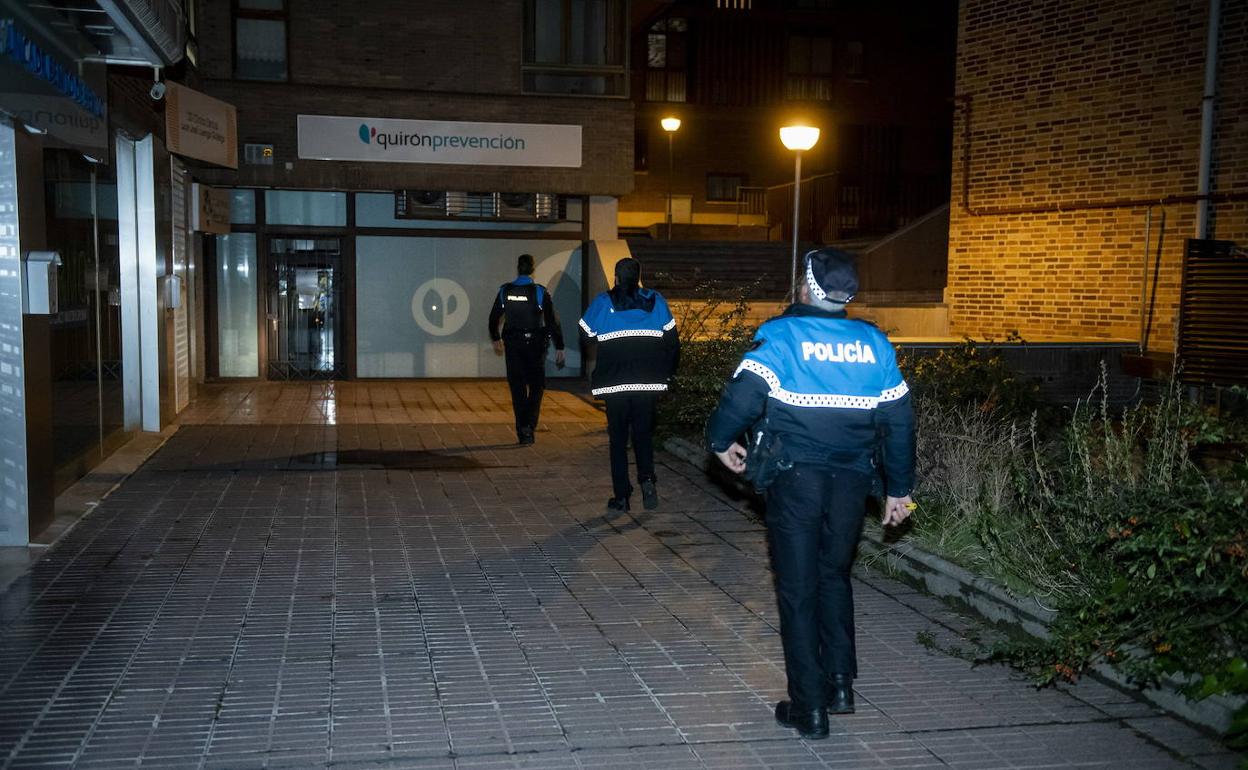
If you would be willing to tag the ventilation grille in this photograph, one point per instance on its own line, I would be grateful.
(1213, 327)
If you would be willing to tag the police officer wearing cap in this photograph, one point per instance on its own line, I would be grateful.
(528, 319)
(638, 351)
(826, 388)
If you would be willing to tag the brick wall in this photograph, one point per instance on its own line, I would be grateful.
(467, 46)
(441, 61)
(1074, 109)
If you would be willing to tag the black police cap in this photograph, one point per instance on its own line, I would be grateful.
(832, 275)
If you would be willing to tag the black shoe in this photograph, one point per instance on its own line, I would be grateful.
(840, 694)
(617, 505)
(525, 436)
(809, 723)
(649, 495)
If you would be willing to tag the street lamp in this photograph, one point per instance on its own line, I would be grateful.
(798, 138)
(671, 125)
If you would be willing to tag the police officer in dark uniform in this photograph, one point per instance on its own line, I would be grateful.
(528, 320)
(638, 351)
(826, 390)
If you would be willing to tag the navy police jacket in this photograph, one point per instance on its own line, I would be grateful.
(827, 384)
(637, 346)
(524, 306)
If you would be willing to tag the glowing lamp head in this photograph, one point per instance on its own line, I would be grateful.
(800, 138)
(670, 124)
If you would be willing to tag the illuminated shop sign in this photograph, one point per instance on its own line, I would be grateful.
(16, 46)
(391, 140)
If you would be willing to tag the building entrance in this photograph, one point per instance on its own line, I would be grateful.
(304, 309)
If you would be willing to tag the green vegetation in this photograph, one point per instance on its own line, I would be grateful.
(1106, 517)
(1129, 522)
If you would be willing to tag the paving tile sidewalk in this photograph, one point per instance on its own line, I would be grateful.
(431, 596)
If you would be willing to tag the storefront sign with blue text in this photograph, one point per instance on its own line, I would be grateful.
(390, 140)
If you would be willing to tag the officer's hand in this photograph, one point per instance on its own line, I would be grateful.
(498, 347)
(897, 510)
(733, 457)
(561, 358)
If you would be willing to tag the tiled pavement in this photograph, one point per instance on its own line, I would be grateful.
(383, 593)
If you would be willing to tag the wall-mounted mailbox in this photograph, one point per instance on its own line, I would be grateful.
(39, 289)
(173, 292)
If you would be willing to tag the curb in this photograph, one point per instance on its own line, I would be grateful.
(990, 601)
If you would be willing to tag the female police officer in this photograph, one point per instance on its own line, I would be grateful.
(637, 353)
(825, 384)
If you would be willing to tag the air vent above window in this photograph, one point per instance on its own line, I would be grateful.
(419, 204)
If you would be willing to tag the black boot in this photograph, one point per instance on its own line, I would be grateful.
(809, 723)
(617, 505)
(649, 495)
(840, 694)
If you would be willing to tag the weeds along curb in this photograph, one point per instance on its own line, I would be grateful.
(984, 597)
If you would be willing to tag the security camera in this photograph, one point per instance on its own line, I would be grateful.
(158, 91)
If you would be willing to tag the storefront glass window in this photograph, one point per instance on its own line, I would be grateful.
(424, 303)
(242, 207)
(86, 327)
(304, 207)
(237, 282)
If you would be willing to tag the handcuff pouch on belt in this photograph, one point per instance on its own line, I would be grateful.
(765, 457)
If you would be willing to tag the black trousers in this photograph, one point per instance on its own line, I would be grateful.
(814, 519)
(526, 376)
(630, 414)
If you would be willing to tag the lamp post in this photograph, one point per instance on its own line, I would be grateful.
(671, 125)
(798, 138)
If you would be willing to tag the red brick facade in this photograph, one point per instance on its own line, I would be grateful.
(1072, 114)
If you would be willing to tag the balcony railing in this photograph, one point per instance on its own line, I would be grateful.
(841, 206)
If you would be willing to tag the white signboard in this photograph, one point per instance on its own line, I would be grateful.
(387, 140)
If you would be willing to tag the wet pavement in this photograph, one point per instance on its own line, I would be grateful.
(296, 581)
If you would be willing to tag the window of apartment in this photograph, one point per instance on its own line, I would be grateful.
(723, 187)
(667, 61)
(260, 39)
(641, 150)
(810, 69)
(855, 64)
(575, 47)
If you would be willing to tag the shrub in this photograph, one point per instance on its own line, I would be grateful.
(1144, 556)
(973, 375)
(715, 331)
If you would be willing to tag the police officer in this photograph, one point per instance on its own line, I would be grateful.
(528, 318)
(638, 348)
(825, 384)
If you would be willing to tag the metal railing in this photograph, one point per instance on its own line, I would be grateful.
(751, 201)
(839, 206)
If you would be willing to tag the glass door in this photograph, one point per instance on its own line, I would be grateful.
(304, 308)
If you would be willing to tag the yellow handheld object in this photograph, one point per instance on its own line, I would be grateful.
(911, 506)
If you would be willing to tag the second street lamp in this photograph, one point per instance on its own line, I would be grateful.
(798, 138)
(671, 125)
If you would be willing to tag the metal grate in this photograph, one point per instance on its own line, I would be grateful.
(516, 207)
(1213, 328)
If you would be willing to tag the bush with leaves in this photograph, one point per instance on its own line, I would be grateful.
(715, 331)
(1144, 556)
(970, 374)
